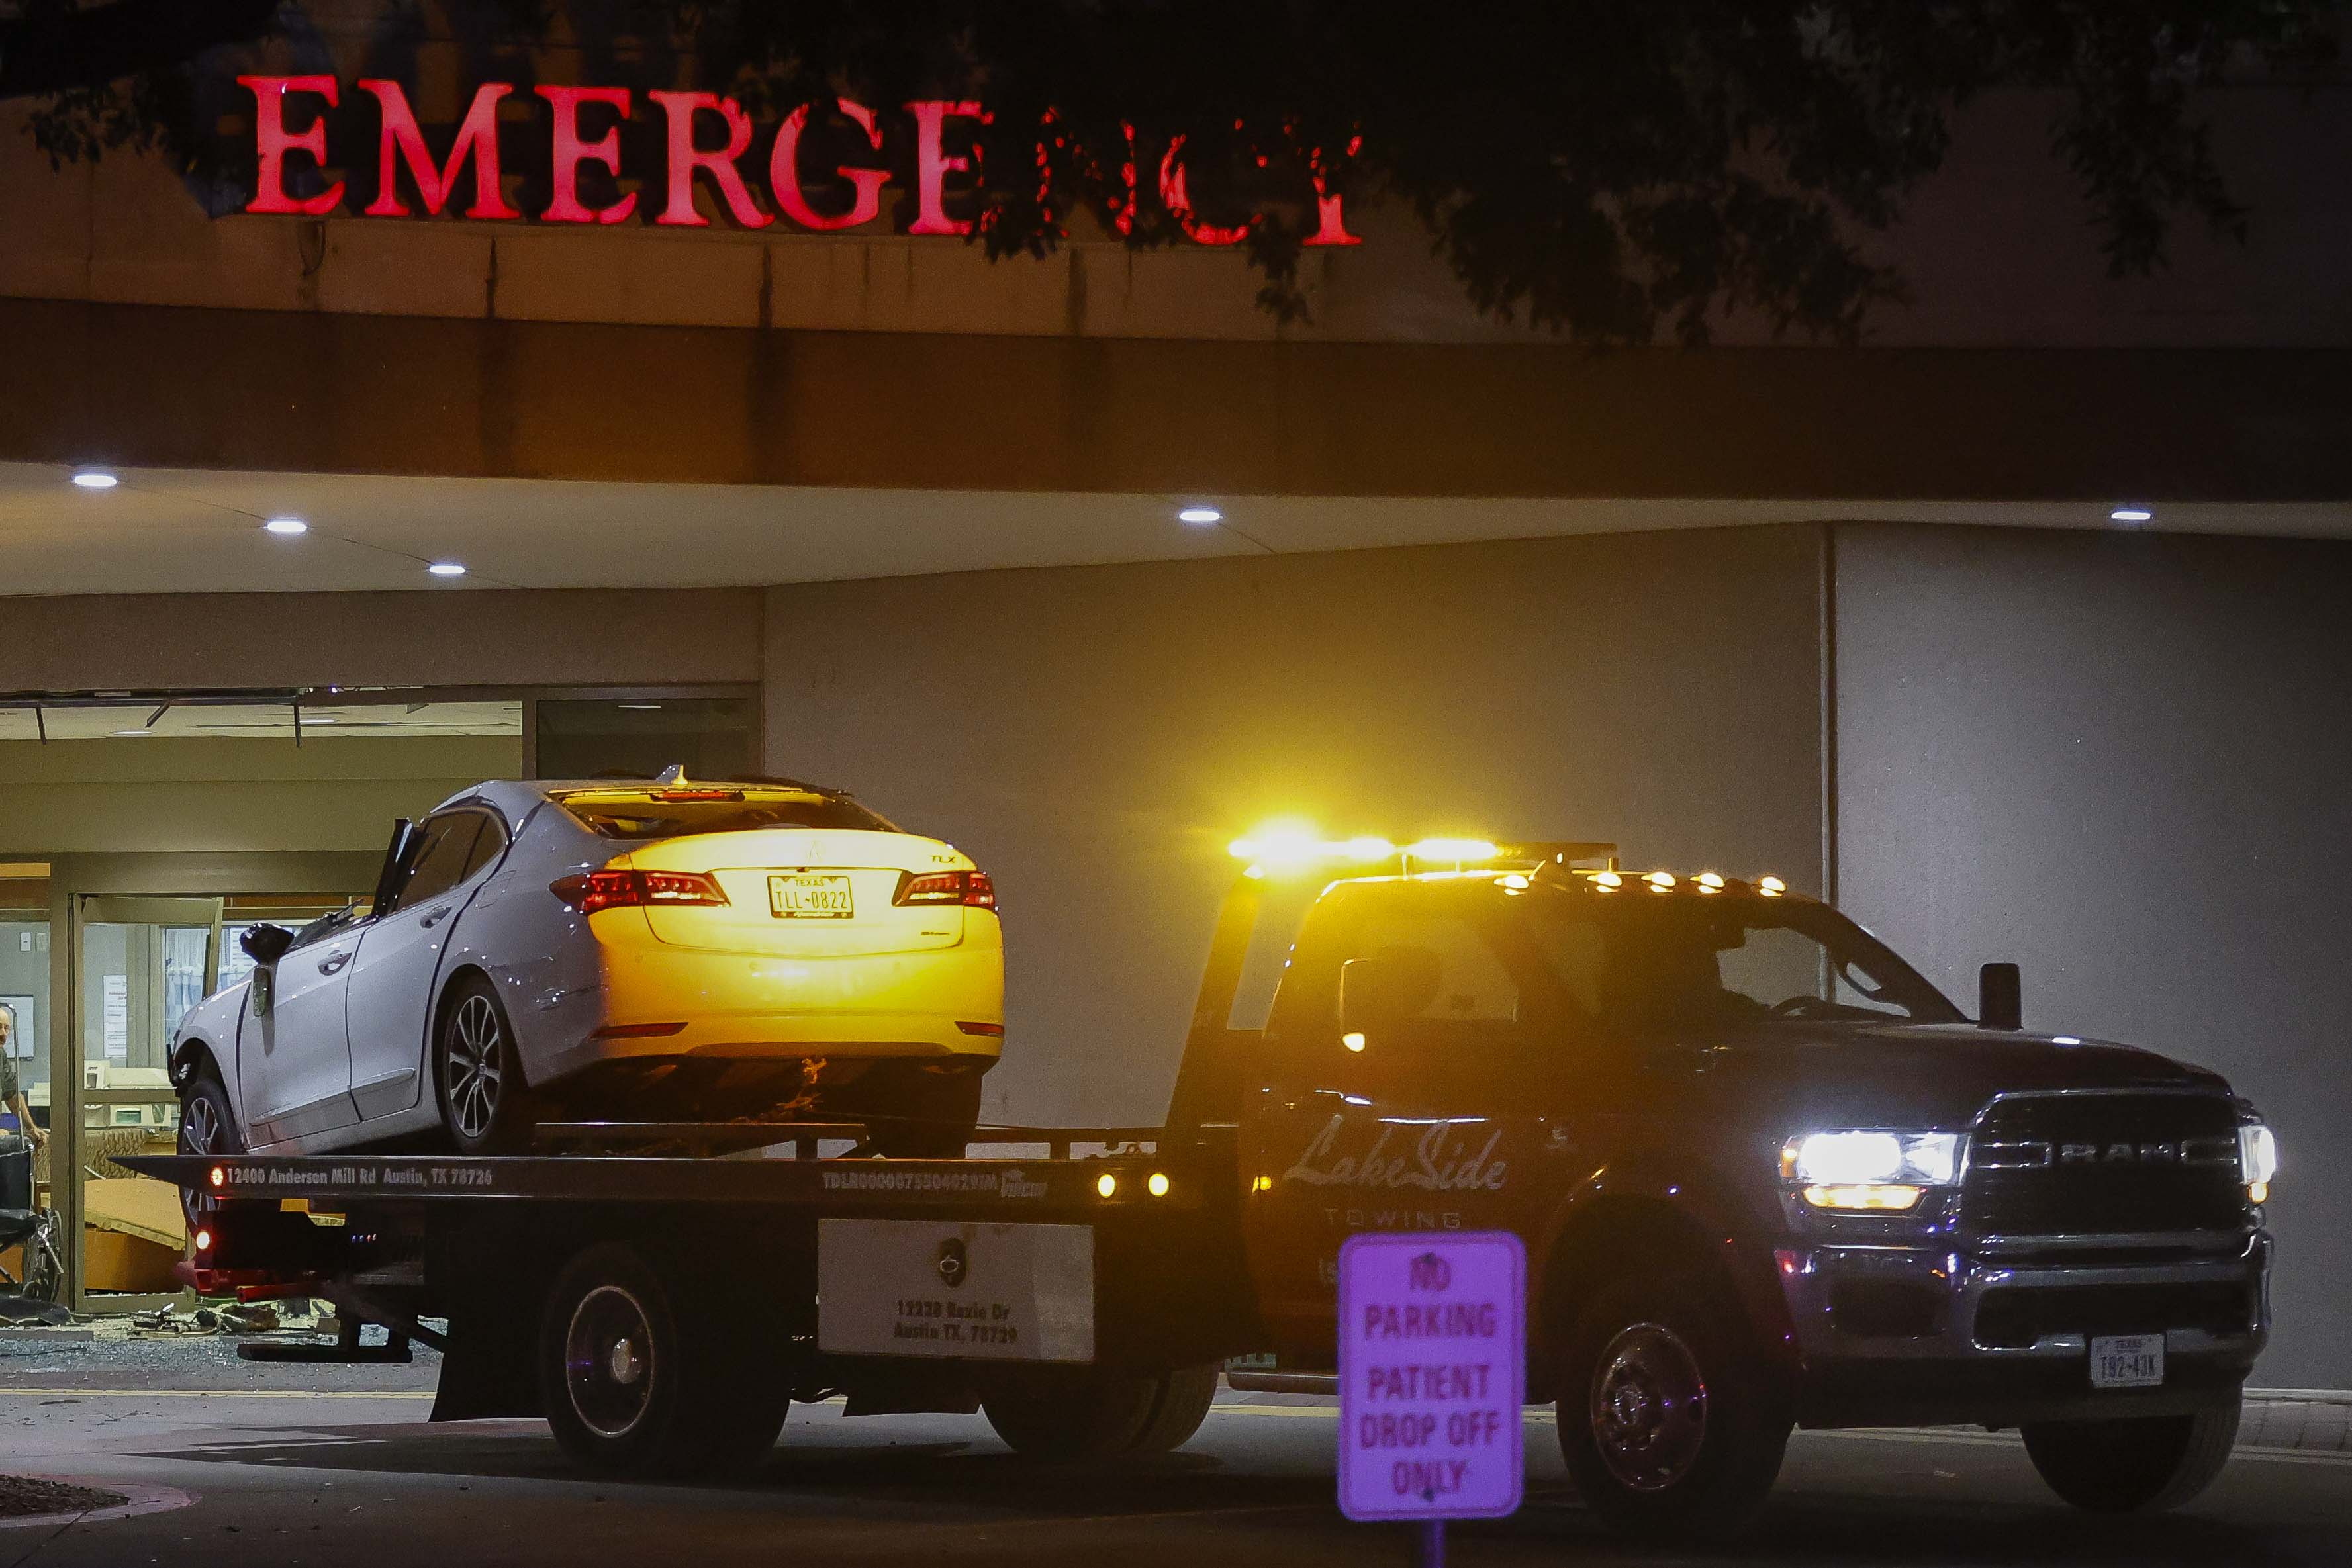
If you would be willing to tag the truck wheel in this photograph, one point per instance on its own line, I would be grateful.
(1666, 1428)
(1185, 1395)
(634, 1385)
(2121, 1466)
(1074, 1415)
(476, 1074)
(609, 1352)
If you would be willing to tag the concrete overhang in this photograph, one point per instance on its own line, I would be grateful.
(164, 530)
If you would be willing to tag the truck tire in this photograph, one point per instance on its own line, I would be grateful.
(1185, 1395)
(1667, 1427)
(2122, 1466)
(1074, 1415)
(637, 1380)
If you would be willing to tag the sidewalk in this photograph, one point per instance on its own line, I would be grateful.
(2307, 1420)
(2300, 1420)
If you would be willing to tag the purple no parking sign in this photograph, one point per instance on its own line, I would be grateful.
(1431, 1375)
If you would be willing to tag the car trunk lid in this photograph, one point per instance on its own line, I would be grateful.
(808, 893)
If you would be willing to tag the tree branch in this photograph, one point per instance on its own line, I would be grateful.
(58, 48)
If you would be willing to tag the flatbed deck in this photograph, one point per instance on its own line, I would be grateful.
(1002, 1188)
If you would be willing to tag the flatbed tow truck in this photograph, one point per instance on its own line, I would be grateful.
(1795, 1185)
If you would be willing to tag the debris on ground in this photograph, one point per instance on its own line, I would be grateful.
(21, 1496)
(24, 1312)
(253, 1317)
(169, 1321)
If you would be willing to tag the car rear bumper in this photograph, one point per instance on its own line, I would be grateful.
(1999, 1334)
(763, 1036)
(757, 1004)
(650, 1000)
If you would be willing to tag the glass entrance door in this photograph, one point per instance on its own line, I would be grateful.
(139, 963)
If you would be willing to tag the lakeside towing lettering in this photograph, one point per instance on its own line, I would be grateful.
(581, 132)
(1439, 1162)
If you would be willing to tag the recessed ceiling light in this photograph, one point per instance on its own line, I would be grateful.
(91, 479)
(309, 720)
(447, 569)
(1200, 515)
(2131, 514)
(287, 526)
(642, 707)
(134, 732)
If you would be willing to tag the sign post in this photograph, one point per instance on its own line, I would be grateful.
(1432, 1371)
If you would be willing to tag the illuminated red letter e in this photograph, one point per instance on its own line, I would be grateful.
(272, 141)
(563, 205)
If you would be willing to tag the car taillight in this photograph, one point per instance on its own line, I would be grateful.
(972, 889)
(589, 892)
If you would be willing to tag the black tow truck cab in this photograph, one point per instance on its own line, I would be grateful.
(1765, 1172)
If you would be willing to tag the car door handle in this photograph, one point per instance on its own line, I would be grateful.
(332, 962)
(433, 917)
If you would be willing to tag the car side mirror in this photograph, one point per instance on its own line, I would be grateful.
(1394, 985)
(2000, 999)
(265, 944)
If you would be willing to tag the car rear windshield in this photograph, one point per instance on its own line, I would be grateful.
(641, 814)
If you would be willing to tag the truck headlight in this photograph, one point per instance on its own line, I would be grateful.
(1870, 1170)
(2257, 1158)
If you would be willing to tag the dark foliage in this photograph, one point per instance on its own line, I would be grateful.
(1600, 169)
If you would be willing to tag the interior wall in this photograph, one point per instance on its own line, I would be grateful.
(1095, 736)
(2119, 760)
(455, 636)
(168, 793)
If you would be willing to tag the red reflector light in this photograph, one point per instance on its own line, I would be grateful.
(640, 1031)
(996, 1029)
(972, 889)
(589, 892)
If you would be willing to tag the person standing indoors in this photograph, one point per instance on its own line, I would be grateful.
(12, 1093)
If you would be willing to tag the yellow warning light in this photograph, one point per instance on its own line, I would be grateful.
(1352, 1041)
(1157, 1184)
(1608, 881)
(1262, 1184)
(1279, 846)
(2258, 1192)
(1709, 882)
(1871, 1195)
(1514, 883)
(1660, 881)
(1771, 886)
(1106, 1185)
(1366, 850)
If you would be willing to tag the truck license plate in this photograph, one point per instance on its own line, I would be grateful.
(2127, 1361)
(804, 897)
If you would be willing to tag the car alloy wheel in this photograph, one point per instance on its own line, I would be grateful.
(1649, 1408)
(200, 1127)
(205, 1130)
(608, 1361)
(475, 1056)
